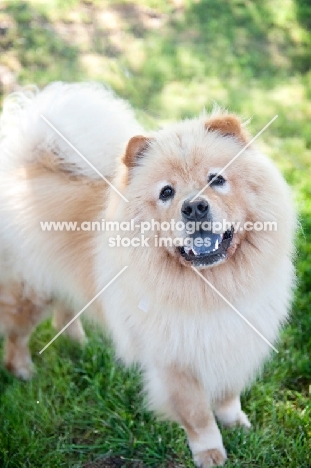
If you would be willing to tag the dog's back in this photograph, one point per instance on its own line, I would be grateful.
(55, 146)
(88, 121)
(58, 148)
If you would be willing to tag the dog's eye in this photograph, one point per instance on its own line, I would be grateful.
(216, 180)
(166, 193)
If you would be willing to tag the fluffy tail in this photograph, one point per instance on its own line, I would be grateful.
(53, 126)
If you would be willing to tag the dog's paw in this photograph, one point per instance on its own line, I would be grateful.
(74, 331)
(210, 457)
(23, 371)
(241, 420)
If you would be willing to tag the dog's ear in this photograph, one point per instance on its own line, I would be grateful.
(135, 149)
(227, 125)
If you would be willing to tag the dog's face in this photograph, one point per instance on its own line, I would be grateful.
(166, 174)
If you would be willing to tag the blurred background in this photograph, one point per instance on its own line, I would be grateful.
(170, 59)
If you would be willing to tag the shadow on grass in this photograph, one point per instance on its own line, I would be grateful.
(32, 39)
(217, 50)
(233, 42)
(6, 380)
(303, 10)
(298, 336)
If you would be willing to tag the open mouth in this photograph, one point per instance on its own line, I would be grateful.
(208, 249)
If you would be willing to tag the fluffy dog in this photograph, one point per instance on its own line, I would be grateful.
(197, 316)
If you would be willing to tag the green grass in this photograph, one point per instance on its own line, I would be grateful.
(169, 61)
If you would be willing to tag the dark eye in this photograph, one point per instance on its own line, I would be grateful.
(216, 180)
(166, 193)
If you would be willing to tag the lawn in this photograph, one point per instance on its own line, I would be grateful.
(169, 58)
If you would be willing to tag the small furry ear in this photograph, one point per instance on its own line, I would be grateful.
(135, 148)
(227, 125)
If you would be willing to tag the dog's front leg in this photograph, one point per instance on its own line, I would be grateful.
(184, 401)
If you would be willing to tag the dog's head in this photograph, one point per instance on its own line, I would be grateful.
(200, 185)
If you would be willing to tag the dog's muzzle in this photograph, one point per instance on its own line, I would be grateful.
(203, 246)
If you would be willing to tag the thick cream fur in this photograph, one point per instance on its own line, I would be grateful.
(187, 332)
(187, 322)
(43, 179)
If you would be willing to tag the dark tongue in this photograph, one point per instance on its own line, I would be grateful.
(204, 243)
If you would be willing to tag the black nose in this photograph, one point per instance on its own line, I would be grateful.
(195, 210)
